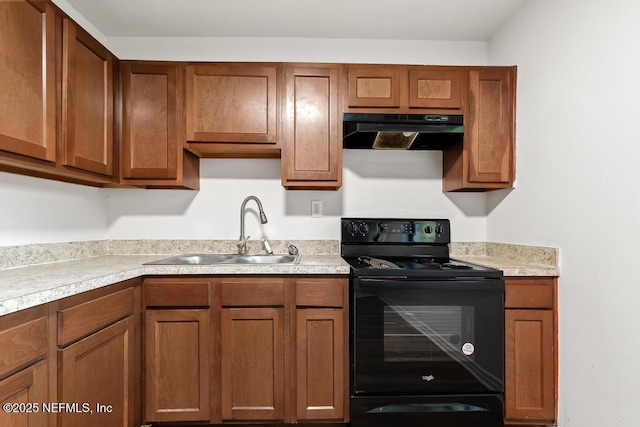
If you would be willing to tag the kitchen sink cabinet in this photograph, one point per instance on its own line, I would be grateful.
(246, 349)
(152, 143)
(24, 377)
(97, 348)
(486, 159)
(88, 93)
(403, 89)
(530, 351)
(232, 109)
(311, 127)
(177, 348)
(252, 349)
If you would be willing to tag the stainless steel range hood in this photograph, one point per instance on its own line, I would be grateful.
(401, 131)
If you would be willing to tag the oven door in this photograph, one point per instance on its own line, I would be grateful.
(417, 337)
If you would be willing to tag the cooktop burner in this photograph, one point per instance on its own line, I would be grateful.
(376, 262)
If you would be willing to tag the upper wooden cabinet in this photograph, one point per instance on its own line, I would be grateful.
(403, 88)
(232, 109)
(87, 102)
(486, 160)
(152, 144)
(27, 79)
(311, 127)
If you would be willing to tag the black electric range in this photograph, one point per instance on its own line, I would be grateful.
(427, 331)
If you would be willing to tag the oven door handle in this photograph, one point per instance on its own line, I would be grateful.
(425, 407)
(459, 283)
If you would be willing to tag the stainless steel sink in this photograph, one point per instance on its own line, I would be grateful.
(266, 259)
(212, 259)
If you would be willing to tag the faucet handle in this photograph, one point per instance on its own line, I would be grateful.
(267, 246)
(242, 245)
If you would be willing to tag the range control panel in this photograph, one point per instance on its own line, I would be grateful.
(386, 230)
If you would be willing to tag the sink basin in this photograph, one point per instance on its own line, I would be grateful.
(265, 259)
(212, 259)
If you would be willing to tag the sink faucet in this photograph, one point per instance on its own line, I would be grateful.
(242, 241)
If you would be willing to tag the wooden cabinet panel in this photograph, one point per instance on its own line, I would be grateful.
(24, 376)
(232, 103)
(486, 159)
(320, 370)
(177, 381)
(91, 316)
(252, 364)
(525, 292)
(23, 344)
(99, 370)
(152, 145)
(374, 86)
(320, 292)
(254, 292)
(28, 386)
(178, 292)
(312, 148)
(435, 87)
(27, 79)
(489, 127)
(529, 366)
(87, 101)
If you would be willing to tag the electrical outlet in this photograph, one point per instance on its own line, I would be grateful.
(316, 209)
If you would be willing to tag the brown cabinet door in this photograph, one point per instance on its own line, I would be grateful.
(87, 102)
(21, 391)
(320, 356)
(232, 103)
(252, 344)
(312, 150)
(27, 79)
(435, 87)
(151, 139)
(374, 86)
(97, 373)
(177, 343)
(489, 126)
(529, 367)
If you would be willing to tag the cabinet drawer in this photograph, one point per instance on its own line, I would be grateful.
(83, 319)
(320, 292)
(529, 292)
(252, 292)
(22, 344)
(176, 293)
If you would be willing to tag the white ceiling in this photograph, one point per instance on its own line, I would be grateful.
(454, 20)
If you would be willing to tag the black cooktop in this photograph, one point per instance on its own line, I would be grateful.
(403, 247)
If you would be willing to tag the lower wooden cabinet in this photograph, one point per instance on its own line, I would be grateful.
(246, 349)
(98, 368)
(530, 351)
(177, 343)
(252, 350)
(24, 378)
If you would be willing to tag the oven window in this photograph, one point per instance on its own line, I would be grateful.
(426, 333)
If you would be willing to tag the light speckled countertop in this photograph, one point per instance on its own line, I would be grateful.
(66, 269)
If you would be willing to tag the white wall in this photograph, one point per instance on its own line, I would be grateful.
(375, 183)
(36, 210)
(577, 148)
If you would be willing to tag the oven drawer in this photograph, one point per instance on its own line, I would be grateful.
(420, 411)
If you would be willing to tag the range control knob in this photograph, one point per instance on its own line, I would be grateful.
(439, 228)
(363, 228)
(352, 228)
(428, 229)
